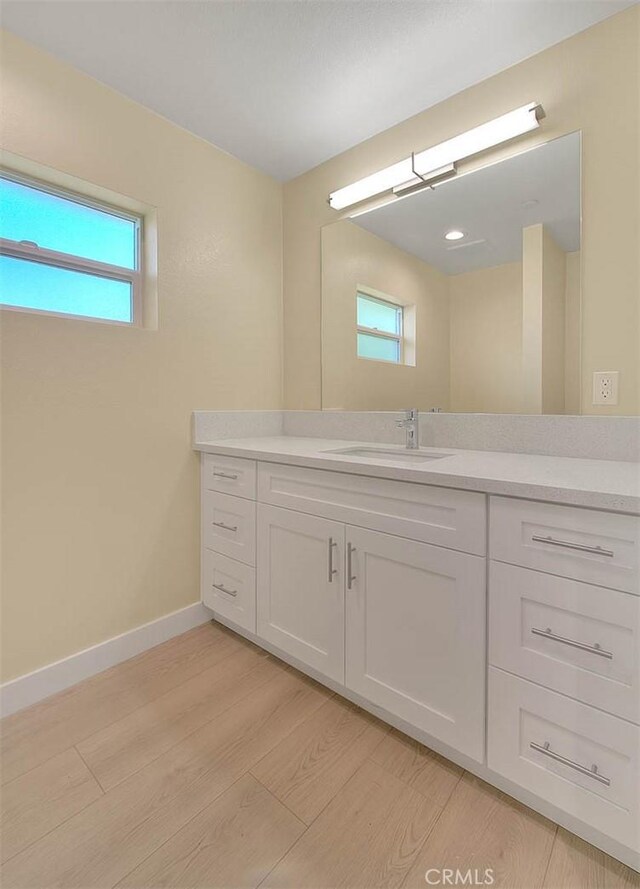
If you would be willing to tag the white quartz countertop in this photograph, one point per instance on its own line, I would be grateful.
(600, 484)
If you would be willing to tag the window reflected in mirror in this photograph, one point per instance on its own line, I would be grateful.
(379, 328)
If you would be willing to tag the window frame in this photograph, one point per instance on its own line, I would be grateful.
(384, 335)
(31, 252)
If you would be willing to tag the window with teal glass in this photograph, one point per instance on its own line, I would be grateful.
(67, 255)
(380, 324)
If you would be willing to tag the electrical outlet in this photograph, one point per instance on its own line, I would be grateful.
(605, 386)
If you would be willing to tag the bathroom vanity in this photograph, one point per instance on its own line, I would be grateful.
(472, 599)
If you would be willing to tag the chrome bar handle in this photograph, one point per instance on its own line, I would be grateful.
(583, 646)
(233, 528)
(596, 550)
(332, 570)
(223, 589)
(350, 577)
(590, 773)
(226, 475)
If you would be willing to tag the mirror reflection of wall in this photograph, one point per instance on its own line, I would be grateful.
(480, 276)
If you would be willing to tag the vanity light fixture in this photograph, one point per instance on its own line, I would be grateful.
(437, 164)
(487, 135)
(454, 235)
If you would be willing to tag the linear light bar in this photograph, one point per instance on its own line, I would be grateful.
(409, 171)
(370, 186)
(509, 126)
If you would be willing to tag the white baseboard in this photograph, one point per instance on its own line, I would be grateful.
(33, 687)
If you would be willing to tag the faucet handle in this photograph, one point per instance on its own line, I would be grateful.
(410, 416)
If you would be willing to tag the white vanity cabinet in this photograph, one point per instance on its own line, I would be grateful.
(378, 587)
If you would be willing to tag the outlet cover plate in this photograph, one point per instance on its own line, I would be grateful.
(605, 387)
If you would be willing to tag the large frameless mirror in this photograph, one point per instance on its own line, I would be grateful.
(463, 297)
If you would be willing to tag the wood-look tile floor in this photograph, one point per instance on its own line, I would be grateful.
(205, 762)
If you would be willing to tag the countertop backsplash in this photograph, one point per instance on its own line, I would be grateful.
(599, 438)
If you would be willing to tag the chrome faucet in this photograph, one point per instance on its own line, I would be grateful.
(411, 424)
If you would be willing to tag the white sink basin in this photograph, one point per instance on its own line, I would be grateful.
(392, 454)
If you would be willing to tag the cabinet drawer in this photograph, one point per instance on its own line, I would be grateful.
(229, 475)
(597, 547)
(574, 756)
(229, 589)
(455, 519)
(229, 526)
(578, 639)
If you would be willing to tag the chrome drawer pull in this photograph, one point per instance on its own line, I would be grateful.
(233, 528)
(350, 577)
(583, 646)
(226, 475)
(596, 550)
(332, 570)
(591, 773)
(223, 589)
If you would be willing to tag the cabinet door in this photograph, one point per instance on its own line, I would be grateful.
(415, 634)
(300, 598)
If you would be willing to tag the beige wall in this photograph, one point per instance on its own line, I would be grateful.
(590, 83)
(353, 257)
(553, 321)
(486, 340)
(101, 526)
(532, 319)
(572, 392)
(543, 322)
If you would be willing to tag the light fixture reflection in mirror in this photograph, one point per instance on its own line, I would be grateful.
(485, 273)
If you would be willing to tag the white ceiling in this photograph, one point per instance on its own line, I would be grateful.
(491, 206)
(287, 84)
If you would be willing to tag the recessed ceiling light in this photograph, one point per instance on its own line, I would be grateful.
(454, 235)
